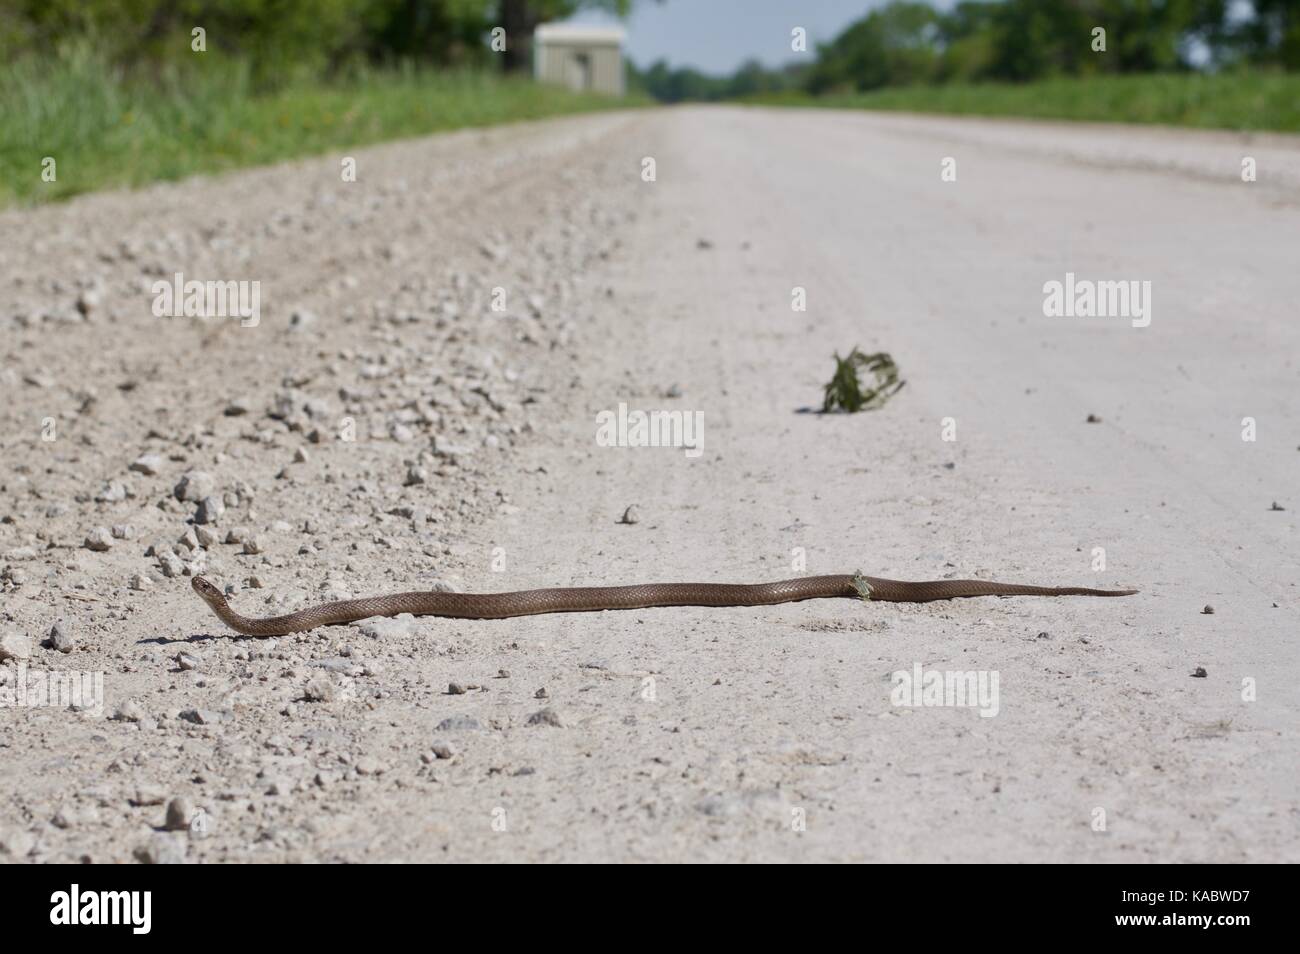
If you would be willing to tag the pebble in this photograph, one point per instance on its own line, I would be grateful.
(319, 689)
(452, 451)
(1208, 611)
(99, 539)
(206, 536)
(393, 627)
(171, 565)
(455, 689)
(88, 301)
(139, 581)
(71, 816)
(180, 811)
(283, 407)
(15, 645)
(238, 534)
(17, 844)
(459, 723)
(128, 711)
(188, 661)
(443, 750)
(547, 716)
(335, 664)
(61, 638)
(194, 485)
(631, 515)
(238, 407)
(252, 546)
(148, 795)
(210, 509)
(161, 849)
(148, 464)
(113, 492)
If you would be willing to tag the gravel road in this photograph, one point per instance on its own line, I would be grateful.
(418, 402)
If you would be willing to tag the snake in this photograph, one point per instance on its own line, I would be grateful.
(586, 599)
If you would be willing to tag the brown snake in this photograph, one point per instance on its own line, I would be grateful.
(590, 598)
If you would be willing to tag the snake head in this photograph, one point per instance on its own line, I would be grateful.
(211, 595)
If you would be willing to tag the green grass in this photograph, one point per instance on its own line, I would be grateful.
(107, 130)
(1249, 101)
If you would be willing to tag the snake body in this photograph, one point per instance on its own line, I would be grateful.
(641, 596)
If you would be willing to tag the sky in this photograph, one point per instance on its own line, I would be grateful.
(716, 36)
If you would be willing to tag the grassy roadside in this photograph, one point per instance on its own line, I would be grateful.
(105, 130)
(1253, 101)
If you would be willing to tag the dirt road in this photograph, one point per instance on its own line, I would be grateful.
(420, 399)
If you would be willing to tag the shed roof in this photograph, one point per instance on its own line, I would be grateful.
(578, 33)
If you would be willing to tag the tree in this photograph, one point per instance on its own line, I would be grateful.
(1272, 35)
(894, 45)
(437, 31)
(520, 17)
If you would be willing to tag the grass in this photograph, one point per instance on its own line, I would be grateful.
(1246, 101)
(105, 129)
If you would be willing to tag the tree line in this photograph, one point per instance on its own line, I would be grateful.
(911, 43)
(905, 42)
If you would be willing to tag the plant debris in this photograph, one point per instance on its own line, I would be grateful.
(845, 391)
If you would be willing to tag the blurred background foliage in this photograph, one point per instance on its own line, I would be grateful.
(284, 40)
(909, 43)
(903, 43)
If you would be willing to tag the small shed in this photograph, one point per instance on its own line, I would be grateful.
(583, 58)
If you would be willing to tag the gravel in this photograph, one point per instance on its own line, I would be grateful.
(446, 441)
